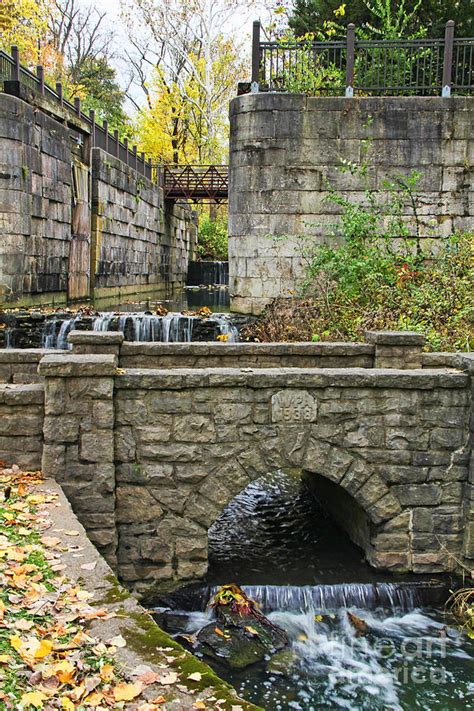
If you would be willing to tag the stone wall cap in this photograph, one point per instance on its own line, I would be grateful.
(105, 338)
(389, 378)
(22, 394)
(25, 355)
(395, 338)
(87, 365)
(245, 348)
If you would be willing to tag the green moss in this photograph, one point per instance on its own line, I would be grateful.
(116, 592)
(146, 639)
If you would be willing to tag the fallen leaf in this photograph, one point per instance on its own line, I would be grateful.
(44, 648)
(149, 677)
(94, 699)
(252, 631)
(33, 698)
(5, 658)
(199, 705)
(117, 641)
(170, 678)
(126, 692)
(50, 541)
(67, 704)
(158, 700)
(107, 672)
(71, 533)
(89, 566)
(195, 676)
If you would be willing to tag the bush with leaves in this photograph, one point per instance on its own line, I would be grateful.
(374, 275)
(213, 238)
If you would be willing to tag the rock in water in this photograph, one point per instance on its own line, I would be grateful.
(240, 635)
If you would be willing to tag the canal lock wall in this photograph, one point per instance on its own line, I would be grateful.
(76, 222)
(150, 441)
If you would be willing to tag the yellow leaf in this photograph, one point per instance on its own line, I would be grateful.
(44, 648)
(252, 630)
(67, 704)
(195, 676)
(318, 618)
(5, 658)
(107, 672)
(94, 699)
(126, 692)
(199, 705)
(33, 698)
(64, 671)
(16, 643)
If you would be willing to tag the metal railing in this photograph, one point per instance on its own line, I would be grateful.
(420, 67)
(12, 70)
(196, 182)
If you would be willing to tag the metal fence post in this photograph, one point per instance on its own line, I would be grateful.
(92, 120)
(40, 75)
(117, 143)
(77, 105)
(16, 64)
(350, 60)
(105, 125)
(59, 92)
(448, 58)
(255, 78)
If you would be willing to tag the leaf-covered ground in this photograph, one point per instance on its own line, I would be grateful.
(49, 658)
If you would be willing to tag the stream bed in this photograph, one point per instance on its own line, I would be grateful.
(286, 553)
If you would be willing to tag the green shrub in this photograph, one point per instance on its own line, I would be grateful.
(375, 276)
(213, 238)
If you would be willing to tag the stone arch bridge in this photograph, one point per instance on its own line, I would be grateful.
(150, 453)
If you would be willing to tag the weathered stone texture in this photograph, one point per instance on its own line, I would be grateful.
(140, 241)
(21, 424)
(284, 151)
(134, 240)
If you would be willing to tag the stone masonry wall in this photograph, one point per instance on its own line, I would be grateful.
(187, 441)
(286, 149)
(150, 457)
(140, 241)
(35, 203)
(51, 248)
(21, 424)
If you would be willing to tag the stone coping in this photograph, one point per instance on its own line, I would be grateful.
(176, 379)
(232, 349)
(106, 338)
(26, 355)
(30, 394)
(88, 365)
(395, 338)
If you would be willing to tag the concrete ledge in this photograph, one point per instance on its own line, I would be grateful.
(238, 349)
(146, 643)
(107, 338)
(395, 338)
(22, 394)
(64, 366)
(176, 379)
(25, 355)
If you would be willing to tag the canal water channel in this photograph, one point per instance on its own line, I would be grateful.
(277, 542)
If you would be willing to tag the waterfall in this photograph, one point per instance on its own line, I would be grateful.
(66, 328)
(140, 327)
(392, 596)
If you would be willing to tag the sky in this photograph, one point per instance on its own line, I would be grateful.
(114, 21)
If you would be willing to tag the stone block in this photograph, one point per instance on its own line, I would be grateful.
(194, 428)
(97, 446)
(418, 494)
(136, 503)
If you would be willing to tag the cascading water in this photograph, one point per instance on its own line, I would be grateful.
(141, 326)
(288, 556)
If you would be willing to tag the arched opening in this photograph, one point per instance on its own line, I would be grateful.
(290, 527)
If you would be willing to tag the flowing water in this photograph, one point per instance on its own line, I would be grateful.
(288, 555)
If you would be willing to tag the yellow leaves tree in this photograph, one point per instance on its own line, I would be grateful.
(186, 118)
(24, 23)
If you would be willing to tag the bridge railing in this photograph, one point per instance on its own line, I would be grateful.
(11, 70)
(196, 182)
(396, 67)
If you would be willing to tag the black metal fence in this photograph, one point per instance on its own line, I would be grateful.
(421, 67)
(12, 70)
